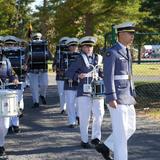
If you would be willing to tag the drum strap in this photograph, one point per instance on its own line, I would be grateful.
(7, 64)
(100, 59)
(85, 60)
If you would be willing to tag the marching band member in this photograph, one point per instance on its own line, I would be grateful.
(6, 72)
(38, 75)
(83, 67)
(11, 46)
(57, 65)
(120, 94)
(70, 89)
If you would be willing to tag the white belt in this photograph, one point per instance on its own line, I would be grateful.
(122, 77)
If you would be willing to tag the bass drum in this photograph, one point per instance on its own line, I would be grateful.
(38, 60)
(39, 55)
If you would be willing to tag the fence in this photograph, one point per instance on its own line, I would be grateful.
(146, 67)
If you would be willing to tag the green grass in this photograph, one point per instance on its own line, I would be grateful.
(153, 113)
(146, 69)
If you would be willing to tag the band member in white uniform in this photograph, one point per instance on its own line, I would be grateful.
(70, 89)
(11, 45)
(38, 77)
(120, 93)
(6, 72)
(83, 68)
(57, 65)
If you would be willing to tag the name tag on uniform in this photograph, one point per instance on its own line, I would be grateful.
(122, 58)
(87, 88)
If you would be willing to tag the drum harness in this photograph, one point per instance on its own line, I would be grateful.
(93, 73)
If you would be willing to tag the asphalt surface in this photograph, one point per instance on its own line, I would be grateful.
(46, 136)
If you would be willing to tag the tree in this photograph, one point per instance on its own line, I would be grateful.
(14, 17)
(88, 17)
(152, 22)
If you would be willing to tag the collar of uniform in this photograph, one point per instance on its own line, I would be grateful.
(122, 50)
(123, 46)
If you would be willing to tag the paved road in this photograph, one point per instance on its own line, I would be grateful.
(45, 135)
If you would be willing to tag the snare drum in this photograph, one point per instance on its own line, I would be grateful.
(98, 89)
(8, 103)
(13, 86)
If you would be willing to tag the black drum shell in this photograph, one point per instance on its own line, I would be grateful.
(38, 57)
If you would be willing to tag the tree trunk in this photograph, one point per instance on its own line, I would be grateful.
(44, 18)
(89, 27)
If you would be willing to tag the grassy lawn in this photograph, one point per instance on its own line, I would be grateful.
(146, 69)
(154, 113)
(151, 113)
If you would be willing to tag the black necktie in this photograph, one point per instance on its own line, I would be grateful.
(90, 59)
(127, 51)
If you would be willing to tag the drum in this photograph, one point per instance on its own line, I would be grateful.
(12, 86)
(98, 89)
(8, 103)
(67, 58)
(11, 51)
(17, 63)
(39, 54)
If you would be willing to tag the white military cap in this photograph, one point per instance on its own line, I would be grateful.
(125, 27)
(88, 40)
(72, 41)
(37, 35)
(1, 38)
(63, 40)
(10, 39)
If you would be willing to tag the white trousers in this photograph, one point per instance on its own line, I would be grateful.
(87, 106)
(123, 126)
(38, 85)
(27, 80)
(60, 85)
(14, 121)
(71, 106)
(4, 125)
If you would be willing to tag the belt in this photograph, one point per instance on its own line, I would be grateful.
(122, 77)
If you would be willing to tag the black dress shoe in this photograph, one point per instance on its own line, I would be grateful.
(16, 129)
(2, 151)
(77, 118)
(43, 100)
(63, 111)
(95, 141)
(20, 113)
(104, 150)
(85, 145)
(10, 130)
(36, 105)
(72, 126)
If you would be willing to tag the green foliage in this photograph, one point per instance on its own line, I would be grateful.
(151, 23)
(14, 17)
(88, 17)
(76, 18)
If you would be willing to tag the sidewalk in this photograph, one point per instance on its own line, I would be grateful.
(45, 135)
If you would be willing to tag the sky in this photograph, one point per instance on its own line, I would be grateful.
(36, 3)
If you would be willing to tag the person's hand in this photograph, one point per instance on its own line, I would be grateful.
(82, 75)
(113, 104)
(16, 81)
